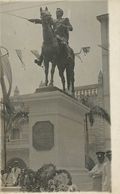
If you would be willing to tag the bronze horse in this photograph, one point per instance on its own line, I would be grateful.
(54, 52)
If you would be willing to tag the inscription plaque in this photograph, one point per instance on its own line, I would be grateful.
(43, 135)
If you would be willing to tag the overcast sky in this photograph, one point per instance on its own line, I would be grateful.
(20, 34)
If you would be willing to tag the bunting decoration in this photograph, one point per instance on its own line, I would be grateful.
(19, 54)
(35, 53)
(84, 50)
(78, 56)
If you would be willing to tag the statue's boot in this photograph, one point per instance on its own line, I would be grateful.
(39, 62)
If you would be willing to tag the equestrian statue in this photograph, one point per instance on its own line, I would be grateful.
(55, 48)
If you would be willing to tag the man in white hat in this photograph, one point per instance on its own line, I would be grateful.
(97, 171)
(106, 179)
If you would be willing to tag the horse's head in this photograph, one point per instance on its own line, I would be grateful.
(45, 16)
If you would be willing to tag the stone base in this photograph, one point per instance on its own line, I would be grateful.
(10, 189)
(82, 179)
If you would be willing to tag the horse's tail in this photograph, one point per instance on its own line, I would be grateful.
(68, 77)
(72, 54)
(70, 72)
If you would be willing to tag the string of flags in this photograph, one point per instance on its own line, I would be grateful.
(19, 52)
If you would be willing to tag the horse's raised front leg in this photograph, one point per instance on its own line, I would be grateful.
(46, 64)
(52, 74)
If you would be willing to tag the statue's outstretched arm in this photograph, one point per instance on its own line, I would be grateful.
(35, 21)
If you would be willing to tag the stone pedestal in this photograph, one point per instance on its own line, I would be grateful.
(62, 117)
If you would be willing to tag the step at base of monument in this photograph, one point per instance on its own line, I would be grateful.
(10, 189)
(82, 179)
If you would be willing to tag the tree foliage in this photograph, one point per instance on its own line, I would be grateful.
(100, 112)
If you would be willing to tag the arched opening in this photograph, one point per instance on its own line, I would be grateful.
(21, 163)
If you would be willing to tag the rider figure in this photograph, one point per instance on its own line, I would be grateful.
(61, 27)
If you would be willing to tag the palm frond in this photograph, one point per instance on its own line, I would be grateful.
(15, 118)
(100, 112)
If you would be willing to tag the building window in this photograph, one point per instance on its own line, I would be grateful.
(15, 134)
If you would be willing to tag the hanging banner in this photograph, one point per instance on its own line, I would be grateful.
(5, 70)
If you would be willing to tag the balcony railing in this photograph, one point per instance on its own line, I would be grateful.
(86, 92)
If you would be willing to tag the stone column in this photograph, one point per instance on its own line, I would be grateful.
(104, 20)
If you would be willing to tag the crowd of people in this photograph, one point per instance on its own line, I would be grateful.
(101, 172)
(45, 179)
